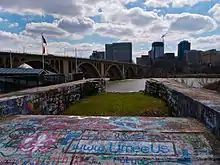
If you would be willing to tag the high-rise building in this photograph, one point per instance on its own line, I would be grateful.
(119, 52)
(108, 52)
(157, 50)
(183, 47)
(97, 55)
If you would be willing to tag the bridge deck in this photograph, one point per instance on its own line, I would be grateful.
(106, 140)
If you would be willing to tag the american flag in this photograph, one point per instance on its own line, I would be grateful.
(44, 43)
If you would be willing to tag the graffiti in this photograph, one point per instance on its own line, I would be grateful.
(21, 132)
(186, 157)
(184, 102)
(110, 135)
(117, 147)
(41, 143)
(210, 118)
(11, 106)
(71, 135)
(131, 123)
(59, 140)
(52, 160)
(49, 102)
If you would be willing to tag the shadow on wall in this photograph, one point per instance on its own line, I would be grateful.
(51, 102)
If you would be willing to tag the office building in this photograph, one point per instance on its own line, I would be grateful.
(157, 50)
(143, 60)
(183, 46)
(119, 52)
(169, 55)
(109, 52)
(150, 54)
(193, 57)
(97, 55)
(211, 57)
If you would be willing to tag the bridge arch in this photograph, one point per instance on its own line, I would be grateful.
(114, 72)
(38, 65)
(130, 73)
(89, 70)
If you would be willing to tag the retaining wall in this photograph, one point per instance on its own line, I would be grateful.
(184, 101)
(48, 100)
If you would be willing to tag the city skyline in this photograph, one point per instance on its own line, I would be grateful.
(89, 26)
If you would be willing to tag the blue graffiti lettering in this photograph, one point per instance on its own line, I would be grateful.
(186, 158)
(70, 136)
(122, 148)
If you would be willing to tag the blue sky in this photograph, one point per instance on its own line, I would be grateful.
(90, 24)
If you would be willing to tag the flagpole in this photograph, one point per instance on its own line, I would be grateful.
(10, 59)
(43, 56)
(76, 59)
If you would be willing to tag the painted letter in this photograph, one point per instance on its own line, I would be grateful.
(158, 148)
(164, 149)
(111, 146)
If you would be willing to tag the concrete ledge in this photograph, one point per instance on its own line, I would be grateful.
(47, 100)
(184, 101)
(47, 140)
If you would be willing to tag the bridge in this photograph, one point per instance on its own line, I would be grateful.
(69, 65)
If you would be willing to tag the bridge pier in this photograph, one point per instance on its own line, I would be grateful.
(102, 70)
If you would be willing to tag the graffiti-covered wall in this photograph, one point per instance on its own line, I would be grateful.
(54, 100)
(201, 104)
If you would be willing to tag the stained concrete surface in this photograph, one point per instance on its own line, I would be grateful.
(106, 140)
(207, 97)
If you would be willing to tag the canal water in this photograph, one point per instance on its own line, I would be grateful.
(130, 85)
(135, 85)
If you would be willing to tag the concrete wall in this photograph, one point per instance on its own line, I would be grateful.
(48, 100)
(201, 104)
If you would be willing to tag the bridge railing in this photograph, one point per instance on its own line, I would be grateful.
(59, 55)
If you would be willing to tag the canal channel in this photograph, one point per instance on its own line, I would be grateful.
(136, 85)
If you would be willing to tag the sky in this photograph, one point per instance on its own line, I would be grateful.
(88, 25)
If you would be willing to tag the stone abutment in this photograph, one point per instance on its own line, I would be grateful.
(184, 101)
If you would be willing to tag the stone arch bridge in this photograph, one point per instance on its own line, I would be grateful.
(67, 65)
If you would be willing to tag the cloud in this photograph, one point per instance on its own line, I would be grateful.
(206, 43)
(76, 25)
(158, 3)
(173, 3)
(7, 36)
(190, 23)
(54, 7)
(135, 16)
(215, 11)
(57, 8)
(182, 3)
(13, 25)
(50, 30)
(3, 20)
(114, 31)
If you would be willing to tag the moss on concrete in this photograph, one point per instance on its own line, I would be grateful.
(119, 104)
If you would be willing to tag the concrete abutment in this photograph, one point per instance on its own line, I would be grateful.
(49, 100)
(201, 104)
